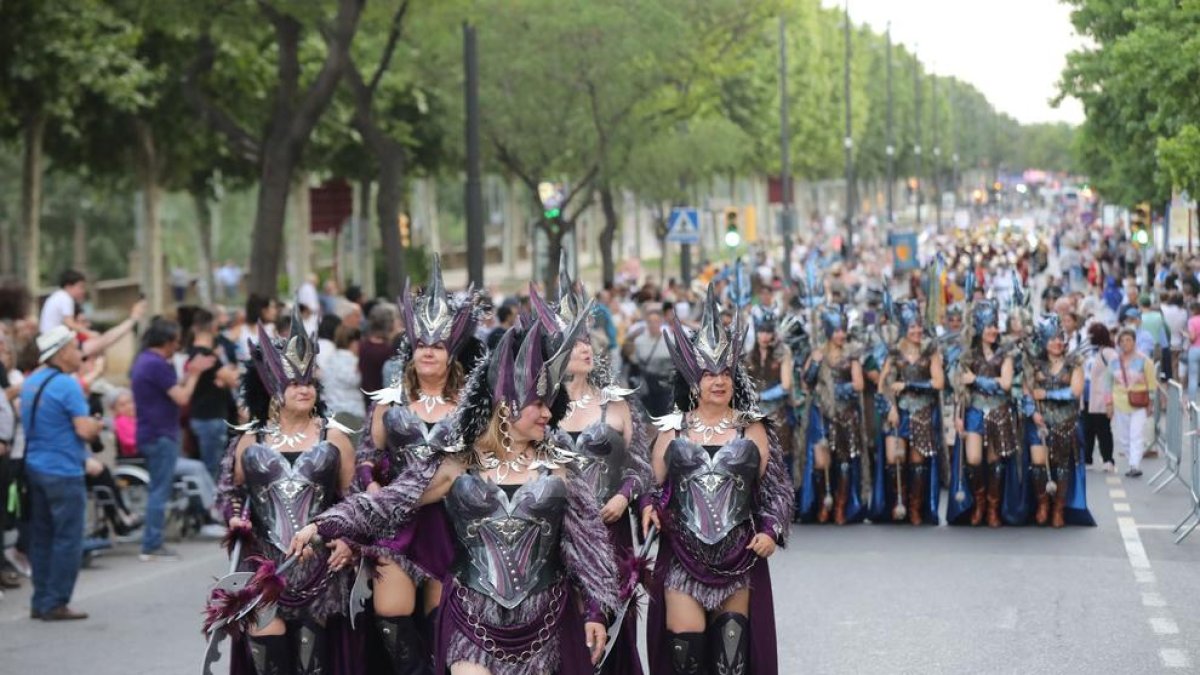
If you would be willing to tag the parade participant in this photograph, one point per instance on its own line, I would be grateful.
(611, 441)
(985, 423)
(1055, 385)
(911, 385)
(533, 575)
(290, 465)
(411, 418)
(770, 365)
(722, 502)
(835, 436)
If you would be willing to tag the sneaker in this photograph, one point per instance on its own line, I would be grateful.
(19, 562)
(212, 531)
(1109, 467)
(64, 613)
(9, 579)
(160, 553)
(1133, 472)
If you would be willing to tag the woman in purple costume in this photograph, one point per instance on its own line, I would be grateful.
(608, 432)
(723, 503)
(533, 578)
(284, 471)
(412, 419)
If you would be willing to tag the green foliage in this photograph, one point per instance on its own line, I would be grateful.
(1137, 85)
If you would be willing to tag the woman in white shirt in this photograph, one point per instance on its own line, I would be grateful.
(342, 381)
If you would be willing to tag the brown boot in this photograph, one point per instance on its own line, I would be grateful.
(1043, 499)
(1058, 519)
(979, 492)
(916, 494)
(995, 489)
(822, 495)
(843, 496)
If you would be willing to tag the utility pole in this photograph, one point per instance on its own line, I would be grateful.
(785, 173)
(474, 196)
(917, 134)
(849, 142)
(891, 136)
(937, 154)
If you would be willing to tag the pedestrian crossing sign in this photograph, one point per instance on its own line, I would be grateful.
(904, 251)
(683, 227)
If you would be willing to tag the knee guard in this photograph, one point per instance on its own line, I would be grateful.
(687, 653)
(270, 654)
(312, 649)
(402, 643)
(729, 644)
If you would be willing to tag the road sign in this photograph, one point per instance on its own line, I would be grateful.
(904, 251)
(683, 227)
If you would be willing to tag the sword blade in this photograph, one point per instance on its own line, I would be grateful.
(212, 653)
(360, 593)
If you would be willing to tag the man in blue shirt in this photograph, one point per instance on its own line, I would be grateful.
(57, 426)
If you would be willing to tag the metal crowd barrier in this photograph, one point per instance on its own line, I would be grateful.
(1193, 445)
(1170, 435)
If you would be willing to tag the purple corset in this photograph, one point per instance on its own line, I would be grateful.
(409, 435)
(285, 496)
(509, 548)
(712, 495)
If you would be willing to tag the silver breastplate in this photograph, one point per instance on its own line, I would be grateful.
(602, 456)
(285, 496)
(511, 545)
(711, 495)
(913, 400)
(408, 435)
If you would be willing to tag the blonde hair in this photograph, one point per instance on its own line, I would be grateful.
(492, 439)
(455, 379)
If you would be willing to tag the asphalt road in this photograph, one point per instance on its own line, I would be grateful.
(1117, 598)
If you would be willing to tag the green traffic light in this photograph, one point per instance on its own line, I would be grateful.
(1141, 237)
(733, 239)
(553, 213)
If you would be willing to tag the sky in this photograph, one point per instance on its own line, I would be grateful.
(1011, 50)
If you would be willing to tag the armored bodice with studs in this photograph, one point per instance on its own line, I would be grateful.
(602, 456)
(975, 361)
(285, 495)
(913, 399)
(511, 544)
(410, 436)
(711, 494)
(1056, 411)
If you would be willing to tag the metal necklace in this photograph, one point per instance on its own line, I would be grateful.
(430, 401)
(281, 439)
(707, 432)
(573, 406)
(504, 467)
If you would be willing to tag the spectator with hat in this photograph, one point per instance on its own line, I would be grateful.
(57, 427)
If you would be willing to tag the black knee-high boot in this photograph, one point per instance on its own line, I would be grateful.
(402, 643)
(270, 654)
(311, 648)
(729, 644)
(687, 653)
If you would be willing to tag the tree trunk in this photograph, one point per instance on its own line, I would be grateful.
(204, 224)
(79, 244)
(147, 169)
(387, 205)
(267, 243)
(6, 248)
(611, 222)
(554, 247)
(31, 202)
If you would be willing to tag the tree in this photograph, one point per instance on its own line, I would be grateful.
(56, 53)
(273, 132)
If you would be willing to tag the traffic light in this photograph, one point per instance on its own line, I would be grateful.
(1140, 225)
(405, 232)
(732, 236)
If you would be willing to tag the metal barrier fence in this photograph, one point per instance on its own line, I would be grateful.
(1169, 435)
(1192, 519)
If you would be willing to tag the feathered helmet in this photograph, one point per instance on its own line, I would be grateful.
(281, 363)
(954, 311)
(433, 317)
(715, 348)
(907, 314)
(1048, 327)
(833, 319)
(984, 313)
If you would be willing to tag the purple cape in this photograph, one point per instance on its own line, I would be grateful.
(764, 657)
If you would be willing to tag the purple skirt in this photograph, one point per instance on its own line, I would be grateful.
(432, 557)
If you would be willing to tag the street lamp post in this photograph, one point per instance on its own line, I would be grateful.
(891, 135)
(849, 142)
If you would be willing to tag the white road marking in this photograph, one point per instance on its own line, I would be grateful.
(1144, 576)
(1112, 480)
(1133, 544)
(1174, 658)
(1164, 626)
(1153, 599)
(1121, 507)
(1116, 494)
(1155, 526)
